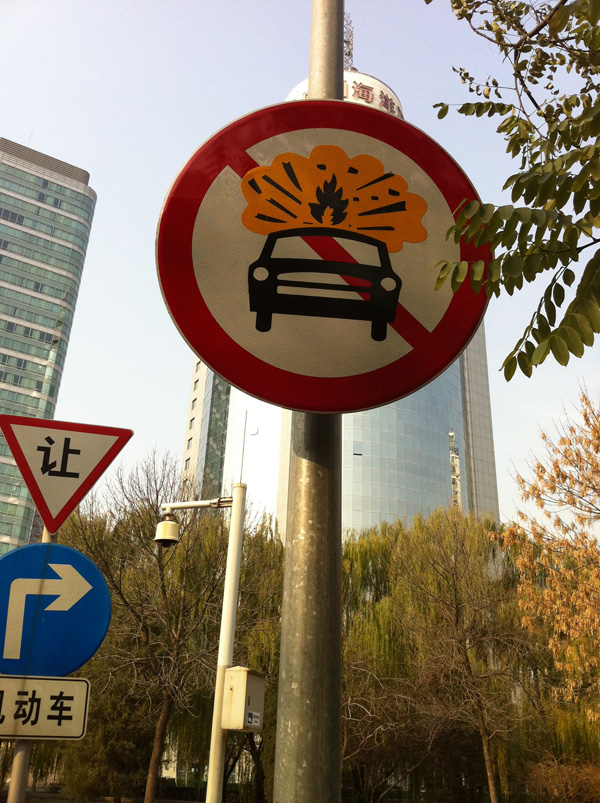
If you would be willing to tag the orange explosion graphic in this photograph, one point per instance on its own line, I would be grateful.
(330, 190)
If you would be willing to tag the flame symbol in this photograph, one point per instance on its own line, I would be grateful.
(329, 198)
(330, 189)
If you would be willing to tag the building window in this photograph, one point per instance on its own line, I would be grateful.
(187, 464)
(196, 384)
(198, 364)
(191, 426)
(194, 403)
(189, 443)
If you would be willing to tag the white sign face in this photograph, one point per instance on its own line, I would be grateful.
(43, 708)
(60, 461)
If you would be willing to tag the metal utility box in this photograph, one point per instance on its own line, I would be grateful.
(243, 700)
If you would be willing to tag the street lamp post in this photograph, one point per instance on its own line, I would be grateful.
(218, 738)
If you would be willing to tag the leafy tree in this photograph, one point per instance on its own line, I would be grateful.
(550, 119)
(378, 744)
(256, 646)
(470, 654)
(113, 757)
(557, 551)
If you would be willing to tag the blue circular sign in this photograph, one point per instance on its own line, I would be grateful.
(54, 610)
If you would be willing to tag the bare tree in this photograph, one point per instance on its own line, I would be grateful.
(166, 604)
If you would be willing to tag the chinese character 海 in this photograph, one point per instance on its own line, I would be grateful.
(59, 706)
(28, 709)
(49, 466)
(362, 92)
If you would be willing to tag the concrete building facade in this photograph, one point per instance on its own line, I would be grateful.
(46, 211)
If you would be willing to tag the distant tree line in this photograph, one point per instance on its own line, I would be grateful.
(470, 651)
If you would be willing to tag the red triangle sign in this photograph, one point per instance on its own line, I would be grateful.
(60, 461)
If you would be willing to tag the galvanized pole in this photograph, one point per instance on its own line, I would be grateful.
(308, 746)
(218, 738)
(19, 773)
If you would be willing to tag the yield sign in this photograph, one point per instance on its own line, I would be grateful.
(60, 461)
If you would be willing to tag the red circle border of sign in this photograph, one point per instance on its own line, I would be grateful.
(238, 366)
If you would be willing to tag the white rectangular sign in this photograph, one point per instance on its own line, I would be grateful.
(43, 708)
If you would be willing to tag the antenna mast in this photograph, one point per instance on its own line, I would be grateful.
(348, 43)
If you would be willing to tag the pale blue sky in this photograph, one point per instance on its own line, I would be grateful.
(129, 89)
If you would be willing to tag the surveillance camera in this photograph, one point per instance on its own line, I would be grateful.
(167, 533)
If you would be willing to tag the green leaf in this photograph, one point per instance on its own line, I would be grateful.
(591, 311)
(550, 311)
(541, 352)
(443, 107)
(505, 212)
(459, 275)
(568, 277)
(523, 215)
(558, 20)
(593, 12)
(543, 326)
(572, 340)
(443, 274)
(560, 350)
(477, 269)
(509, 368)
(583, 328)
(513, 266)
(524, 363)
(494, 270)
(558, 294)
(486, 212)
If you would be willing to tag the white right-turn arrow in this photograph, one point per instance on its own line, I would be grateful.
(69, 589)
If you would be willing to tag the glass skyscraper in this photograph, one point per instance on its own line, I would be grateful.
(46, 211)
(434, 448)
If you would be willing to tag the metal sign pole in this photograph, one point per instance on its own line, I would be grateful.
(308, 746)
(218, 739)
(19, 773)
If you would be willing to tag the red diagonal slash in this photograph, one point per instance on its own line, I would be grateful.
(405, 324)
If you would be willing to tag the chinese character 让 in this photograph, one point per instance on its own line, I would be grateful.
(49, 465)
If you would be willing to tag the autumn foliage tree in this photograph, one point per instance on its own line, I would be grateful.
(557, 551)
(549, 114)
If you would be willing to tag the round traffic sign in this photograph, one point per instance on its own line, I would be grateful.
(55, 610)
(298, 253)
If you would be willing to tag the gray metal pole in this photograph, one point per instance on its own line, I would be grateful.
(218, 738)
(19, 773)
(326, 61)
(308, 746)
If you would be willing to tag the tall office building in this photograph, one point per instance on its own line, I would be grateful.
(46, 210)
(434, 448)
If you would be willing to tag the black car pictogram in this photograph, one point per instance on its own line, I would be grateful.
(300, 286)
